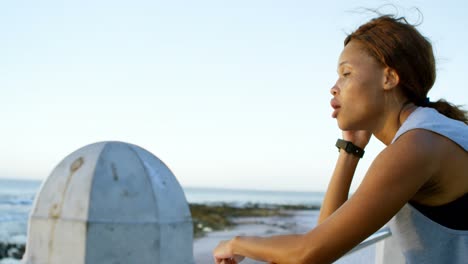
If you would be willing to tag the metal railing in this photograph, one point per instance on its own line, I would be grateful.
(379, 248)
(373, 239)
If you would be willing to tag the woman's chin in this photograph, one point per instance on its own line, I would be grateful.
(342, 125)
(346, 126)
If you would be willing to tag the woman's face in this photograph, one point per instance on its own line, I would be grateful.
(358, 93)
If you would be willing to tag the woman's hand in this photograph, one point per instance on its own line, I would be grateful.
(223, 254)
(359, 138)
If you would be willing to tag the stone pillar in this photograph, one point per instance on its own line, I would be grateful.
(110, 202)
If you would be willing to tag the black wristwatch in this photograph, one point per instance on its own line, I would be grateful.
(349, 147)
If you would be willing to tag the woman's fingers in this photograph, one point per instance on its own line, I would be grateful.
(223, 251)
(223, 254)
(228, 261)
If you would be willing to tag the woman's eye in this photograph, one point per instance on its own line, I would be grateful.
(346, 74)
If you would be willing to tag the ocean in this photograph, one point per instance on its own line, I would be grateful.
(17, 197)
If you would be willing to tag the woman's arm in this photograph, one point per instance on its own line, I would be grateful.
(290, 248)
(392, 180)
(338, 188)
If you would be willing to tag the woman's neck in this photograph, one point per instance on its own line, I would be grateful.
(393, 121)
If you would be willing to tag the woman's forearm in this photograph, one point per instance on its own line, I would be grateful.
(338, 188)
(282, 249)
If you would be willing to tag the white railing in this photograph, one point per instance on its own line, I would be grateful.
(373, 239)
(379, 248)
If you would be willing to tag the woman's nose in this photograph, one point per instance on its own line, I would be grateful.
(334, 90)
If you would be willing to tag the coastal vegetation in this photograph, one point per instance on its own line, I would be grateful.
(214, 217)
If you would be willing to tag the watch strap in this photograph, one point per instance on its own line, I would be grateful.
(349, 147)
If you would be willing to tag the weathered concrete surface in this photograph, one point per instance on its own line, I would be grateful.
(110, 202)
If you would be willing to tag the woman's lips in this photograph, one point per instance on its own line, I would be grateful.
(336, 106)
(335, 113)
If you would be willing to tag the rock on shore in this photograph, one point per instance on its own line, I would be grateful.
(12, 250)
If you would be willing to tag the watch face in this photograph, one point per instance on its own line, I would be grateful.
(341, 144)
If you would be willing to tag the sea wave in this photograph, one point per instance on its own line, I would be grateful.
(10, 261)
(16, 201)
(13, 217)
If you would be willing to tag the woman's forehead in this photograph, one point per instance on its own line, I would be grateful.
(354, 54)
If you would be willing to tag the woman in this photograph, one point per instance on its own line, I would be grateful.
(420, 180)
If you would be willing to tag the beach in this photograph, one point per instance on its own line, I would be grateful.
(284, 221)
(217, 214)
(294, 221)
(212, 223)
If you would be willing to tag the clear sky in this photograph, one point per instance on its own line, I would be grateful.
(227, 93)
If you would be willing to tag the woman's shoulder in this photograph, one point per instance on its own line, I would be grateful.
(429, 119)
(415, 156)
(435, 158)
(425, 143)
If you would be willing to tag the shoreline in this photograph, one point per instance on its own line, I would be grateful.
(292, 222)
(221, 216)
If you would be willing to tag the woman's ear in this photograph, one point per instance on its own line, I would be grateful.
(391, 78)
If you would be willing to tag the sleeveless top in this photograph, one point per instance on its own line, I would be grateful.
(421, 239)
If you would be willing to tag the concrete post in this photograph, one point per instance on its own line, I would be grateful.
(110, 202)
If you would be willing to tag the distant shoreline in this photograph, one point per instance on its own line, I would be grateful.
(216, 217)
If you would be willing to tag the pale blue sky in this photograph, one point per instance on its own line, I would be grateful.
(227, 93)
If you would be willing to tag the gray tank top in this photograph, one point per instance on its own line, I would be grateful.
(421, 239)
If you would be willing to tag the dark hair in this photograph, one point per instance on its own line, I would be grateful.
(397, 44)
